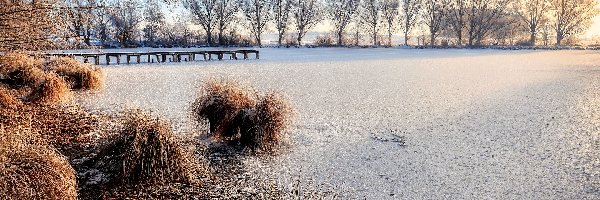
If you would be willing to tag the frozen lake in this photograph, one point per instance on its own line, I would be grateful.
(476, 124)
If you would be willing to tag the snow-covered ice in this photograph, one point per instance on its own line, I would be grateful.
(408, 124)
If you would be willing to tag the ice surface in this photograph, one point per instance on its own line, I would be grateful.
(408, 124)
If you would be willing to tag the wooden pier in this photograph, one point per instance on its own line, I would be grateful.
(159, 57)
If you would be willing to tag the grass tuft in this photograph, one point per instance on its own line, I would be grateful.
(33, 171)
(264, 126)
(219, 102)
(19, 70)
(80, 76)
(7, 99)
(239, 113)
(146, 151)
(50, 91)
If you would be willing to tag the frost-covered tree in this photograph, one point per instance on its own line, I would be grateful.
(390, 15)
(572, 17)
(532, 13)
(371, 17)
(483, 17)
(204, 11)
(434, 17)
(155, 21)
(341, 13)
(257, 15)
(281, 14)
(225, 10)
(409, 13)
(103, 21)
(80, 16)
(456, 18)
(307, 14)
(126, 19)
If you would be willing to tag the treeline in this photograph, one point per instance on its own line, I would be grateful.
(133, 23)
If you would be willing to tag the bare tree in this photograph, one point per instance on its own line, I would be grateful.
(482, 17)
(257, 16)
(410, 13)
(28, 25)
(307, 14)
(532, 13)
(456, 18)
(155, 21)
(281, 10)
(103, 21)
(226, 10)
(80, 18)
(434, 17)
(546, 28)
(390, 14)
(126, 18)
(340, 14)
(572, 17)
(371, 17)
(204, 11)
(357, 31)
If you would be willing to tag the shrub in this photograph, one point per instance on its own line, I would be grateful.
(52, 90)
(33, 171)
(146, 152)
(18, 70)
(219, 102)
(264, 126)
(233, 111)
(78, 75)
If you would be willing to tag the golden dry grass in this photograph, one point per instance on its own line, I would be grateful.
(31, 170)
(78, 75)
(48, 82)
(52, 90)
(238, 112)
(219, 102)
(18, 70)
(7, 99)
(57, 125)
(264, 126)
(147, 152)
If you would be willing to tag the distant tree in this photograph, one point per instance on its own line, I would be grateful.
(341, 13)
(357, 31)
(409, 14)
(155, 21)
(225, 10)
(103, 21)
(204, 11)
(307, 14)
(532, 13)
(546, 28)
(126, 19)
(434, 15)
(482, 17)
(257, 16)
(572, 17)
(371, 17)
(390, 15)
(80, 15)
(456, 18)
(28, 25)
(281, 13)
